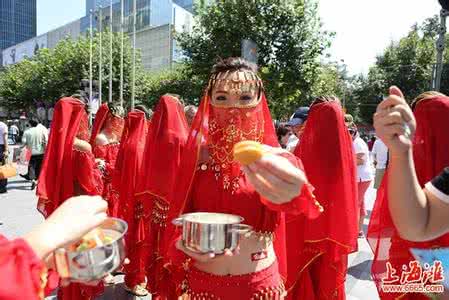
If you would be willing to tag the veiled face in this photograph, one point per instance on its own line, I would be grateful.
(236, 89)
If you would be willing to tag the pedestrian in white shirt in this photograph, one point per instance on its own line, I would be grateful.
(380, 156)
(35, 139)
(364, 172)
(3, 153)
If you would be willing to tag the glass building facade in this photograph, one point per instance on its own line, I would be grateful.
(17, 21)
(150, 13)
(189, 4)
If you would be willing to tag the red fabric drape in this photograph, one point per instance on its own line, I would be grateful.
(324, 243)
(100, 119)
(129, 162)
(430, 154)
(127, 172)
(56, 181)
(21, 271)
(67, 172)
(164, 144)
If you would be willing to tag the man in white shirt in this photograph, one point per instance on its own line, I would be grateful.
(14, 132)
(364, 172)
(3, 153)
(35, 140)
(380, 155)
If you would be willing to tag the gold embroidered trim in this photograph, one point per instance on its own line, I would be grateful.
(271, 293)
(221, 149)
(139, 212)
(159, 214)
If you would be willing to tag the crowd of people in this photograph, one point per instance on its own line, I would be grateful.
(304, 198)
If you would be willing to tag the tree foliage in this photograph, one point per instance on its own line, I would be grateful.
(407, 63)
(289, 39)
(173, 81)
(54, 73)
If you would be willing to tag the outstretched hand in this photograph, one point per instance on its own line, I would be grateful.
(274, 177)
(74, 218)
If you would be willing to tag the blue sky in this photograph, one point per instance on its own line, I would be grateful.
(54, 13)
(363, 27)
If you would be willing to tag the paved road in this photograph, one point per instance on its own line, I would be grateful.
(18, 215)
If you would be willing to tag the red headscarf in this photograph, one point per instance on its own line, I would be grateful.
(165, 141)
(56, 178)
(100, 119)
(329, 161)
(430, 154)
(103, 118)
(129, 163)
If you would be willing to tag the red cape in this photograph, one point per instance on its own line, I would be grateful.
(57, 177)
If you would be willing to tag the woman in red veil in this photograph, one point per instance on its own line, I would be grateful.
(105, 139)
(128, 171)
(164, 143)
(430, 155)
(233, 109)
(69, 170)
(318, 249)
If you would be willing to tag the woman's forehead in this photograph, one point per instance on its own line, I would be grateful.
(243, 80)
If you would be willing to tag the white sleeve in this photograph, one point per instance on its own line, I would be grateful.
(358, 146)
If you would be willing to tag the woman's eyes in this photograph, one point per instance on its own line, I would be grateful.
(246, 98)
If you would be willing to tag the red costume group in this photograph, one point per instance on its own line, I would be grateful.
(162, 169)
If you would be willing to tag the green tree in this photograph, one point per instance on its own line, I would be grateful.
(289, 38)
(54, 73)
(174, 81)
(407, 63)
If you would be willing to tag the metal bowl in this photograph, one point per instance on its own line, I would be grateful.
(211, 232)
(96, 263)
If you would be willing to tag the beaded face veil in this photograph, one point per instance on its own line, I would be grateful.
(115, 123)
(83, 131)
(236, 114)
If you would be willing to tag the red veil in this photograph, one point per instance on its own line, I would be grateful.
(100, 119)
(167, 136)
(129, 163)
(430, 154)
(56, 180)
(327, 153)
(318, 249)
(164, 143)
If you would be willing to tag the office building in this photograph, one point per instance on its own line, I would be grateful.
(156, 20)
(17, 21)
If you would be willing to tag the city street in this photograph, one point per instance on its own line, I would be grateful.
(19, 215)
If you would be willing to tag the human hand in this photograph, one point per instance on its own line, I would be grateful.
(394, 123)
(101, 164)
(73, 219)
(275, 178)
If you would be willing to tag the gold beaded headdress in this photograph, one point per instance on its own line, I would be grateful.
(245, 81)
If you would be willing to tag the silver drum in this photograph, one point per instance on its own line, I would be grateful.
(211, 232)
(94, 264)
